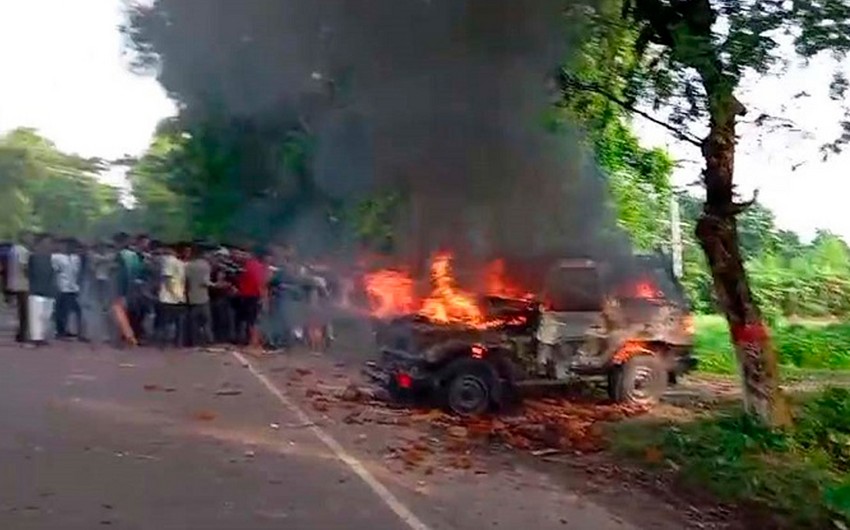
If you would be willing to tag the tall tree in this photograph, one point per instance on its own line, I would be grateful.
(17, 168)
(225, 178)
(692, 55)
(51, 190)
(158, 208)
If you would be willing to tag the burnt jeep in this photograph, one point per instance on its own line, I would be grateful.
(633, 330)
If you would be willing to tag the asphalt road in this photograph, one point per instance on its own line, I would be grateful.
(98, 438)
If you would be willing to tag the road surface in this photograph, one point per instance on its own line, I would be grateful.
(92, 437)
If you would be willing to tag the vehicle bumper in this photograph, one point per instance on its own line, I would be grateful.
(402, 374)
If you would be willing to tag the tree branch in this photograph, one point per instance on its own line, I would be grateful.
(567, 81)
(739, 207)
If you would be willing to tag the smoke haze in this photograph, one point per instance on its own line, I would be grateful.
(442, 98)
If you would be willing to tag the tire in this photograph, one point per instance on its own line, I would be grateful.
(642, 380)
(470, 387)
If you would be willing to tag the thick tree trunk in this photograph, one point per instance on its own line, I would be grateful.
(718, 235)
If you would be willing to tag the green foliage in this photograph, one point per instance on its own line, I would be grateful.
(689, 57)
(639, 178)
(17, 168)
(824, 425)
(788, 278)
(652, 52)
(798, 474)
(159, 209)
(712, 345)
(225, 179)
(373, 220)
(805, 346)
(46, 189)
(815, 347)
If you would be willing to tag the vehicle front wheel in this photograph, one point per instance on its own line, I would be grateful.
(642, 380)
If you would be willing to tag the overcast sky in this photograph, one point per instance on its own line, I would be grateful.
(63, 73)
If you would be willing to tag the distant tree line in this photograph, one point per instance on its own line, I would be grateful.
(188, 184)
(45, 189)
(788, 277)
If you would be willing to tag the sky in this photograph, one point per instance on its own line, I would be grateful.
(64, 74)
(813, 196)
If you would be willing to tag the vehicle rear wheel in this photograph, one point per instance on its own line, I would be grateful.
(642, 380)
(470, 387)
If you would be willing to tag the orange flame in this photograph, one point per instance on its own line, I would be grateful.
(448, 303)
(647, 290)
(390, 293)
(630, 349)
(497, 283)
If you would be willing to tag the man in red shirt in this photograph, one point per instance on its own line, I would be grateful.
(252, 288)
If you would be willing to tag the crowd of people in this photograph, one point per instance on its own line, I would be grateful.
(136, 290)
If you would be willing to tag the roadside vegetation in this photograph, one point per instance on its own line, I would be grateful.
(790, 478)
(793, 477)
(812, 345)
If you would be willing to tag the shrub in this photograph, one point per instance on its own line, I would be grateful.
(800, 346)
(799, 474)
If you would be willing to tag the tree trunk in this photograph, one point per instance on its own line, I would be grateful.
(718, 235)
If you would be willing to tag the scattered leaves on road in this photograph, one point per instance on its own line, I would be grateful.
(546, 423)
(320, 406)
(352, 394)
(204, 415)
(150, 387)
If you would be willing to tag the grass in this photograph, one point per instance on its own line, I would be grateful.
(806, 346)
(799, 476)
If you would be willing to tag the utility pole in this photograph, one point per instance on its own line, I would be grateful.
(676, 235)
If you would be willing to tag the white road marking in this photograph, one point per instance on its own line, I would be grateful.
(353, 463)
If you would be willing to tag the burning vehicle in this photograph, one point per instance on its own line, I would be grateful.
(473, 353)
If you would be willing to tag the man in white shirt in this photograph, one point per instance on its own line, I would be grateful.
(172, 296)
(17, 282)
(67, 265)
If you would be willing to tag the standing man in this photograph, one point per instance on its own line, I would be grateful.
(101, 260)
(17, 282)
(67, 265)
(252, 285)
(172, 297)
(221, 291)
(126, 275)
(96, 290)
(152, 278)
(293, 294)
(198, 282)
(42, 293)
(145, 291)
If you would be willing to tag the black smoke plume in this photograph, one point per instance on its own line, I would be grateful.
(444, 99)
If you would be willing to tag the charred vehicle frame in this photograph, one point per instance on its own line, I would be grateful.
(637, 335)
